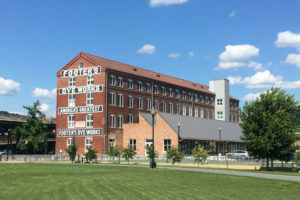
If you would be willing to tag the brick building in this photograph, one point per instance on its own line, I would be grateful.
(96, 96)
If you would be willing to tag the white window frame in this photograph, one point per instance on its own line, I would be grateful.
(196, 112)
(156, 104)
(201, 99)
(219, 102)
(206, 100)
(148, 104)
(71, 121)
(111, 142)
(206, 114)
(120, 100)
(112, 80)
(90, 79)
(183, 95)
(190, 111)
(184, 109)
(196, 97)
(89, 121)
(90, 98)
(163, 91)
(167, 145)
(130, 102)
(72, 81)
(71, 100)
(171, 107)
(177, 109)
(132, 143)
(177, 94)
(120, 121)
(130, 118)
(120, 82)
(69, 142)
(190, 96)
(163, 107)
(140, 103)
(148, 87)
(170, 92)
(219, 115)
(130, 84)
(201, 113)
(140, 86)
(88, 144)
(112, 99)
(112, 121)
(155, 88)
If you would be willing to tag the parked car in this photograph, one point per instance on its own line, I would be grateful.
(2, 152)
(239, 154)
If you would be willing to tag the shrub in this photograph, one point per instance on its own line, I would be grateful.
(200, 154)
(175, 154)
(90, 154)
(128, 153)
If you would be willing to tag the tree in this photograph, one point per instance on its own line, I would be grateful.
(200, 154)
(150, 152)
(71, 150)
(269, 125)
(113, 152)
(90, 155)
(31, 134)
(175, 154)
(128, 153)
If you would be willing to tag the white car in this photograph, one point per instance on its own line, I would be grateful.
(239, 154)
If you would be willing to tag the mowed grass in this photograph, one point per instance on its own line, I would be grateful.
(67, 181)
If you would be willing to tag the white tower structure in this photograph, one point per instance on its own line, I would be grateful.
(221, 88)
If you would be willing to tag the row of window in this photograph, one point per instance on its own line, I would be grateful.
(89, 123)
(171, 93)
(112, 120)
(132, 143)
(89, 80)
(88, 143)
(89, 99)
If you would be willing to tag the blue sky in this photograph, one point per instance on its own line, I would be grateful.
(256, 44)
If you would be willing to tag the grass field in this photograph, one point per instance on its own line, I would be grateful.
(66, 181)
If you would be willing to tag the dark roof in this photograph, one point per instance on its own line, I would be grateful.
(196, 128)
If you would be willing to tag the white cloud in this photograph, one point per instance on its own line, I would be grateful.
(251, 96)
(40, 93)
(44, 107)
(264, 80)
(147, 49)
(293, 59)
(9, 87)
(191, 54)
(174, 55)
(156, 3)
(236, 56)
(232, 14)
(288, 39)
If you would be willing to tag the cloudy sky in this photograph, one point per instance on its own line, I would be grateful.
(253, 43)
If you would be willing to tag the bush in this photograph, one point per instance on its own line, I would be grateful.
(128, 153)
(297, 157)
(90, 155)
(175, 154)
(71, 150)
(200, 154)
(114, 152)
(149, 151)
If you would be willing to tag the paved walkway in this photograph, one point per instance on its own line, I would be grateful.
(227, 172)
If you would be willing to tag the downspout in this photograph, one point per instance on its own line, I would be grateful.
(193, 109)
(106, 111)
(152, 95)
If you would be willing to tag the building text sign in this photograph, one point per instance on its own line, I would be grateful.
(80, 132)
(81, 72)
(80, 109)
(81, 89)
(80, 124)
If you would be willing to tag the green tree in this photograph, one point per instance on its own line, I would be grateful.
(90, 155)
(30, 135)
(269, 125)
(114, 152)
(128, 153)
(71, 150)
(200, 154)
(150, 152)
(175, 154)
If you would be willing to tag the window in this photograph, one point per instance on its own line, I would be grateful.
(71, 121)
(132, 143)
(89, 121)
(88, 144)
(130, 102)
(212, 101)
(112, 121)
(183, 109)
(71, 101)
(111, 142)
(177, 109)
(69, 142)
(148, 87)
(219, 115)
(196, 112)
(120, 100)
(90, 79)
(112, 100)
(130, 84)
(183, 95)
(177, 93)
(231, 105)
(167, 144)
(163, 106)
(201, 113)
(206, 113)
(120, 121)
(89, 98)
(163, 91)
(112, 80)
(190, 96)
(236, 107)
(155, 105)
(148, 104)
(190, 111)
(219, 101)
(120, 82)
(155, 88)
(130, 118)
(195, 97)
(171, 108)
(140, 86)
(140, 103)
(170, 92)
(211, 114)
(206, 100)
(201, 99)
(72, 81)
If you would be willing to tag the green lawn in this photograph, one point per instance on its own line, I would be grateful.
(66, 181)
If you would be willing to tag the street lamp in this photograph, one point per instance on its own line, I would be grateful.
(152, 161)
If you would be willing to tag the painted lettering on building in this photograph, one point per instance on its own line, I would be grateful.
(81, 89)
(81, 72)
(79, 132)
(80, 109)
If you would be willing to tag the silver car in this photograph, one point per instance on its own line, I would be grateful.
(239, 154)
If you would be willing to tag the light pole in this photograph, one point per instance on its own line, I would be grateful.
(60, 150)
(220, 131)
(152, 161)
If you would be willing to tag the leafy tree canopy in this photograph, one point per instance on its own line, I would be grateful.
(175, 154)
